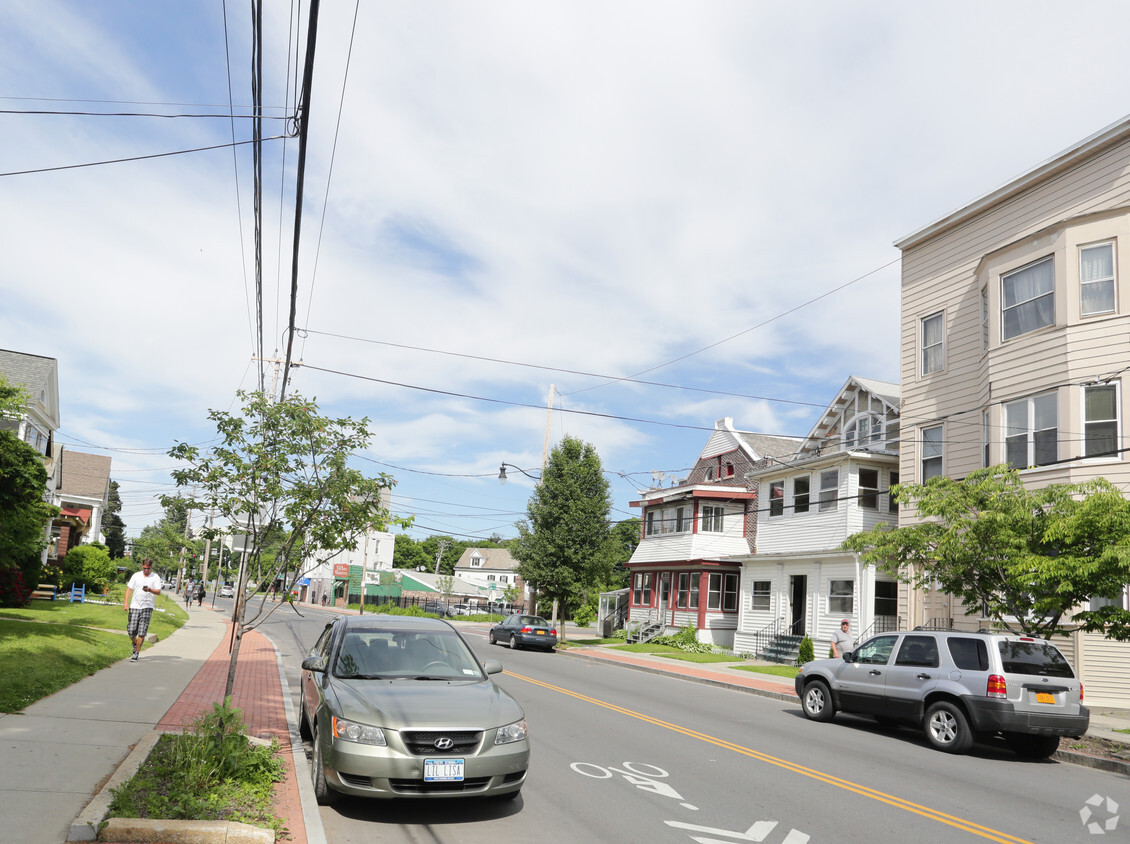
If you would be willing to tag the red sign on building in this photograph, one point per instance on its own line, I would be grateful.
(341, 571)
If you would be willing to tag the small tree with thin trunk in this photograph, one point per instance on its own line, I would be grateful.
(282, 469)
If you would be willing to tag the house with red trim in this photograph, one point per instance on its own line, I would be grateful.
(686, 570)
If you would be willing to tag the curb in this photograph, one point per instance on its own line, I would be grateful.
(1097, 762)
(85, 827)
(142, 831)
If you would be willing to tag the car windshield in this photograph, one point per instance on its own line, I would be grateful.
(1038, 658)
(399, 654)
(533, 621)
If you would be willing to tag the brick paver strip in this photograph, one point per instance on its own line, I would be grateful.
(257, 692)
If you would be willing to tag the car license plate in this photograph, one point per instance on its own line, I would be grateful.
(1045, 697)
(443, 770)
(540, 632)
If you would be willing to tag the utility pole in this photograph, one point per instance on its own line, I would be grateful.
(364, 571)
(443, 545)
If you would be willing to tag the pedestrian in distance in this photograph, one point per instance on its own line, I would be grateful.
(187, 595)
(200, 593)
(842, 640)
(141, 597)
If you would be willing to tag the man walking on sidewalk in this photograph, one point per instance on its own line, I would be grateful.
(141, 597)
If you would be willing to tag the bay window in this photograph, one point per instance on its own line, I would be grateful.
(1028, 299)
(1031, 431)
(1100, 420)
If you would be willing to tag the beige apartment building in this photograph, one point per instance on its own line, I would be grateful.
(1016, 348)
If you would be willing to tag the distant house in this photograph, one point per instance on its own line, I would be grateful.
(492, 571)
(82, 495)
(686, 570)
(798, 582)
(1015, 318)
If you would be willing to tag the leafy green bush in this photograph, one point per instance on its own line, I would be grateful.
(90, 565)
(619, 633)
(212, 771)
(806, 652)
(584, 615)
(685, 640)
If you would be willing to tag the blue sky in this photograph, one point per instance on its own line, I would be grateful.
(515, 195)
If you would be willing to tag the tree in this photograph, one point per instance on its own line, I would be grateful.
(562, 548)
(1024, 557)
(164, 543)
(113, 528)
(407, 553)
(280, 465)
(24, 515)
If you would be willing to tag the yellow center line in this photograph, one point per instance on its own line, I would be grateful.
(848, 785)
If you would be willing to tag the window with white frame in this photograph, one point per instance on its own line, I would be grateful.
(869, 489)
(641, 589)
(829, 489)
(931, 452)
(712, 518)
(776, 498)
(886, 597)
(682, 587)
(1100, 420)
(841, 596)
(667, 520)
(933, 343)
(722, 592)
(650, 522)
(761, 595)
(1096, 279)
(984, 319)
(800, 494)
(1031, 431)
(863, 431)
(986, 439)
(1028, 299)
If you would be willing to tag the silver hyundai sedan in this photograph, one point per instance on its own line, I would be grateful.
(398, 706)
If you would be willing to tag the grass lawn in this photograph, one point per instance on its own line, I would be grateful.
(594, 641)
(778, 670)
(648, 648)
(51, 644)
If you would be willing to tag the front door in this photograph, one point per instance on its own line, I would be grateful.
(665, 597)
(798, 600)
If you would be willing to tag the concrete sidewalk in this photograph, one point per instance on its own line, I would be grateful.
(56, 756)
(1105, 721)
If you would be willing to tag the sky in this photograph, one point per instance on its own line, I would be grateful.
(658, 213)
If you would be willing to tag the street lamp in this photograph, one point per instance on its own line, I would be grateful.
(502, 473)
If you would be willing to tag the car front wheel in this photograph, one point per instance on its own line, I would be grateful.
(947, 728)
(493, 641)
(817, 701)
(322, 791)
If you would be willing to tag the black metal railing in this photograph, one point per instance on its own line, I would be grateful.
(763, 637)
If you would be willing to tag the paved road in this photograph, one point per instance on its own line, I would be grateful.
(624, 756)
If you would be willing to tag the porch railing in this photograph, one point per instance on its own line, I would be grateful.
(881, 624)
(763, 637)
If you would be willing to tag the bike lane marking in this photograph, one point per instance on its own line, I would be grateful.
(812, 773)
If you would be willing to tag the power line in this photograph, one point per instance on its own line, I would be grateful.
(557, 369)
(136, 157)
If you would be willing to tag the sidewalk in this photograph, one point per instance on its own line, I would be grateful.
(56, 756)
(1104, 720)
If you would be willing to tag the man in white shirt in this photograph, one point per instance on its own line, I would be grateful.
(141, 597)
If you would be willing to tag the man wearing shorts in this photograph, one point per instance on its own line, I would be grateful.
(141, 597)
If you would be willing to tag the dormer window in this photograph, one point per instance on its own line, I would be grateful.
(864, 431)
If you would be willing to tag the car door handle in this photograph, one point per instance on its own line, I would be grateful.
(922, 676)
(874, 672)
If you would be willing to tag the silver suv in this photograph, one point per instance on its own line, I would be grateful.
(956, 686)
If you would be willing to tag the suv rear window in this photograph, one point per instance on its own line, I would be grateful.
(969, 654)
(1038, 658)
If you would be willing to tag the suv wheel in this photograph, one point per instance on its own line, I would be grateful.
(817, 701)
(947, 728)
(1032, 747)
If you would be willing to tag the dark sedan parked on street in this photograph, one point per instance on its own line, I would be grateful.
(526, 630)
(399, 706)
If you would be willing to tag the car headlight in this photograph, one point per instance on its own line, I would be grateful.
(511, 732)
(360, 733)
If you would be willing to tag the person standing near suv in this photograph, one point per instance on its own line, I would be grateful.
(141, 597)
(842, 640)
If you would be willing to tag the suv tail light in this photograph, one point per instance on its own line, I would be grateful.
(527, 630)
(996, 686)
(1080, 692)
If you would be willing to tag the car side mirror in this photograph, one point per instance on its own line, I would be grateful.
(314, 663)
(492, 666)
(849, 656)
